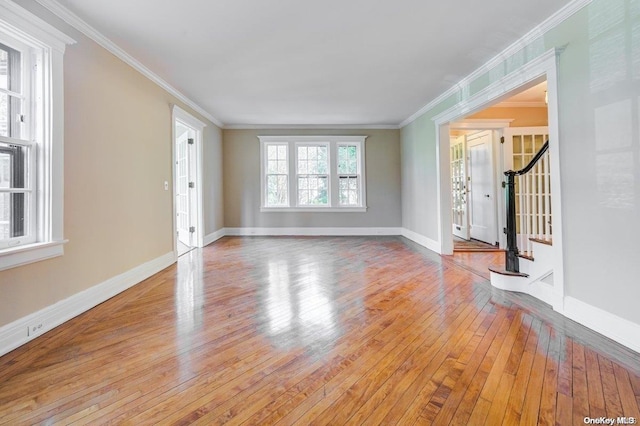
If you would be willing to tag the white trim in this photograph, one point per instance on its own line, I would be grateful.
(24, 23)
(481, 124)
(554, 20)
(313, 138)
(198, 126)
(425, 242)
(213, 237)
(321, 231)
(612, 326)
(23, 255)
(82, 26)
(14, 334)
(311, 127)
(313, 209)
(531, 104)
(527, 73)
(48, 45)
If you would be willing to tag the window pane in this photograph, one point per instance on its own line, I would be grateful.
(13, 166)
(313, 160)
(13, 218)
(4, 114)
(277, 189)
(313, 190)
(347, 159)
(349, 191)
(272, 152)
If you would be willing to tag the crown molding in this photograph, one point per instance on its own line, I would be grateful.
(554, 20)
(78, 23)
(311, 127)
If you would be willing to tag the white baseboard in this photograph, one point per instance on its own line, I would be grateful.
(214, 236)
(15, 334)
(422, 240)
(612, 326)
(320, 231)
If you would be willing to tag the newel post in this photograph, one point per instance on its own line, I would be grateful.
(512, 264)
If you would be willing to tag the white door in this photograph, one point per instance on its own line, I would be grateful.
(482, 201)
(183, 192)
(459, 187)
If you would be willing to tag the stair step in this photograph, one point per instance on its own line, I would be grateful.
(541, 241)
(508, 273)
(527, 256)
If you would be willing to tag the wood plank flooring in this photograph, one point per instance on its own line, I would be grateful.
(318, 331)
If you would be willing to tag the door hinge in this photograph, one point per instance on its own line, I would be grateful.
(192, 229)
(501, 139)
(190, 141)
(192, 185)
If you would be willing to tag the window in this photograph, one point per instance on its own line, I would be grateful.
(312, 164)
(277, 179)
(16, 152)
(313, 173)
(31, 127)
(349, 171)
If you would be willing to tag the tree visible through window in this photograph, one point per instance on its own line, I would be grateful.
(277, 175)
(313, 179)
(313, 173)
(348, 176)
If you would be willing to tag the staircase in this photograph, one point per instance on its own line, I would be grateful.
(528, 201)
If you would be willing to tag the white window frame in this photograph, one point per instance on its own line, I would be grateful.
(264, 147)
(359, 173)
(292, 142)
(297, 145)
(45, 45)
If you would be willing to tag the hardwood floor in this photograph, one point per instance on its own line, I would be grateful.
(336, 331)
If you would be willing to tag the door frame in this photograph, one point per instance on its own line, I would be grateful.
(182, 116)
(499, 127)
(544, 67)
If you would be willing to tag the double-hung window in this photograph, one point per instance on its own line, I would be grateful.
(313, 173)
(31, 127)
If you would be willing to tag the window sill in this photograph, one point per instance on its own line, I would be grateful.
(23, 255)
(313, 209)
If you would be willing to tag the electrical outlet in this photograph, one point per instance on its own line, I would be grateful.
(35, 329)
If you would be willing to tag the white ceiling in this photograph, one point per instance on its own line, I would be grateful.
(330, 62)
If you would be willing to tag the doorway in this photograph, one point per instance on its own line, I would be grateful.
(187, 181)
(482, 208)
(532, 73)
(473, 188)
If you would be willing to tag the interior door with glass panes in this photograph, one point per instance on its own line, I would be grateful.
(459, 187)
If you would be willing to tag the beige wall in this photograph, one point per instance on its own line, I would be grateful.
(522, 117)
(242, 182)
(117, 156)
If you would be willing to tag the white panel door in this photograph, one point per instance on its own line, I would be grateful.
(183, 199)
(482, 202)
(459, 188)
